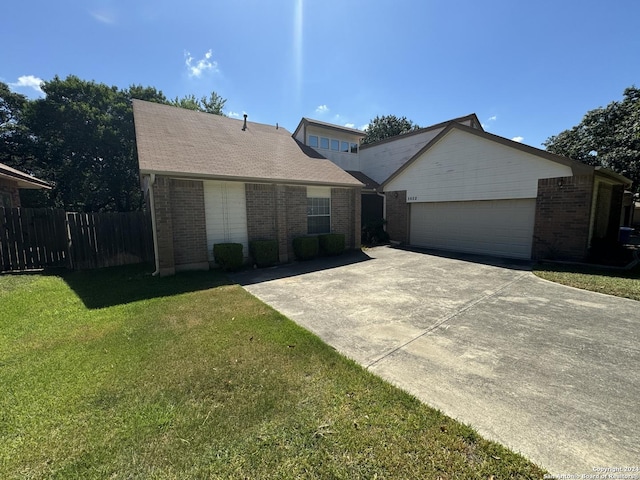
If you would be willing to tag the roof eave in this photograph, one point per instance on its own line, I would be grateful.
(229, 178)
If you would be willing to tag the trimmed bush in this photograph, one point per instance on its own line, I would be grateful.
(305, 248)
(228, 255)
(264, 252)
(331, 243)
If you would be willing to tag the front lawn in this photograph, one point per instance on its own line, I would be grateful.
(115, 374)
(621, 283)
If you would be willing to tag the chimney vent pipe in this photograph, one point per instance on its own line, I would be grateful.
(244, 127)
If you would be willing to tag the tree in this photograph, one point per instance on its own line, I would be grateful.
(387, 126)
(80, 137)
(214, 104)
(607, 136)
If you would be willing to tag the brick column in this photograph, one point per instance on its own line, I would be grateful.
(397, 216)
(164, 225)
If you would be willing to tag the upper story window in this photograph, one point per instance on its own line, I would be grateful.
(334, 144)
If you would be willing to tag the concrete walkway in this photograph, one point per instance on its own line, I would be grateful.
(550, 371)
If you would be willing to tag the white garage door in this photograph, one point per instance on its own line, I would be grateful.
(501, 228)
(225, 209)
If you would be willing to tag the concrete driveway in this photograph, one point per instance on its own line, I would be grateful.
(550, 371)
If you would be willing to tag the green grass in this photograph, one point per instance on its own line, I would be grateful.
(115, 374)
(621, 283)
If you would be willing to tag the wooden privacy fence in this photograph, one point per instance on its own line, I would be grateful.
(33, 238)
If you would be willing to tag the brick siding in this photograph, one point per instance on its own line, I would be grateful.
(11, 188)
(261, 211)
(189, 224)
(563, 212)
(397, 216)
(164, 225)
(296, 214)
(345, 214)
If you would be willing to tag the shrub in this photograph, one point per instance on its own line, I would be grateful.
(264, 252)
(228, 255)
(373, 232)
(305, 248)
(331, 243)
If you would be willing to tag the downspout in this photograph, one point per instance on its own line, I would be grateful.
(152, 205)
(384, 209)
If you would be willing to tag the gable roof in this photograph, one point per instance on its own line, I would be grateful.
(472, 118)
(184, 143)
(24, 180)
(304, 122)
(578, 168)
(369, 183)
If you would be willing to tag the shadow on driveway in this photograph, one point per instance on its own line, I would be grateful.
(250, 277)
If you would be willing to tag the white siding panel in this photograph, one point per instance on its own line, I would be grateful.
(225, 208)
(463, 166)
(501, 228)
(380, 161)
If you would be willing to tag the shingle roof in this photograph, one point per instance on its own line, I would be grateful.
(185, 143)
(369, 183)
(24, 180)
(309, 121)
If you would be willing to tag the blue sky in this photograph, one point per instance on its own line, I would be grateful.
(527, 69)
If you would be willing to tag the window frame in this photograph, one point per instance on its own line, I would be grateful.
(311, 141)
(318, 207)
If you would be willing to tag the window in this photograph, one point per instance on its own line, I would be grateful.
(318, 215)
(324, 142)
(335, 144)
(345, 147)
(354, 148)
(318, 210)
(313, 141)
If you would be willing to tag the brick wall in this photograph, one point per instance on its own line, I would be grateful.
(563, 212)
(296, 214)
(189, 225)
(345, 214)
(10, 188)
(164, 225)
(397, 216)
(261, 211)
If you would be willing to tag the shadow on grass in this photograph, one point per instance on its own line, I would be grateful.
(120, 285)
(250, 277)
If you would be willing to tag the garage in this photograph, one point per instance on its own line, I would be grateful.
(502, 228)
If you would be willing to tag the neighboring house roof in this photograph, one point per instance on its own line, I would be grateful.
(369, 183)
(24, 180)
(471, 118)
(578, 168)
(184, 143)
(308, 121)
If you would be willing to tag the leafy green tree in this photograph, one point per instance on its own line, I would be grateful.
(80, 137)
(387, 126)
(214, 104)
(607, 136)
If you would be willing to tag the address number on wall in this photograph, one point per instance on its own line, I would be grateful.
(412, 198)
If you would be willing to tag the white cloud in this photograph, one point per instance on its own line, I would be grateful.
(518, 139)
(322, 109)
(197, 67)
(29, 81)
(233, 114)
(105, 17)
(350, 125)
(493, 118)
(364, 127)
